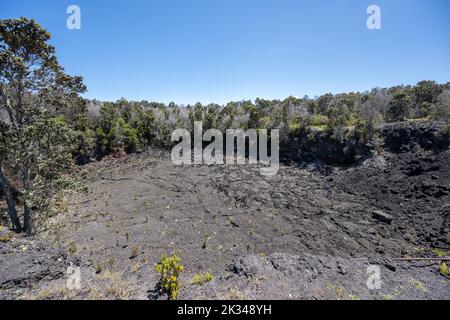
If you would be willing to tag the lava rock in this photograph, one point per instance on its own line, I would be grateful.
(382, 216)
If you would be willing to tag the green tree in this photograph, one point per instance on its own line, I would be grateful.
(4, 183)
(323, 103)
(399, 106)
(426, 93)
(34, 91)
(109, 114)
(122, 137)
(146, 127)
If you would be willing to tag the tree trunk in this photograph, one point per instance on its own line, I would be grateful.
(27, 219)
(26, 207)
(10, 201)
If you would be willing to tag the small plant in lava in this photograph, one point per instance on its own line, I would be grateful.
(169, 269)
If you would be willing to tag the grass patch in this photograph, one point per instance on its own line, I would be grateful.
(386, 297)
(444, 269)
(72, 248)
(135, 250)
(116, 287)
(201, 279)
(441, 252)
(138, 265)
(419, 285)
(319, 128)
(8, 237)
(98, 268)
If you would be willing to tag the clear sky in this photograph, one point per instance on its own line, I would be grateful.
(221, 50)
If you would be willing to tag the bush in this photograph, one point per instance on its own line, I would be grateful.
(319, 120)
(444, 269)
(399, 107)
(264, 122)
(84, 145)
(101, 143)
(122, 136)
(340, 117)
(135, 250)
(146, 128)
(169, 269)
(294, 125)
(363, 131)
(200, 279)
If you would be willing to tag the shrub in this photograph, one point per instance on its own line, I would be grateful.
(85, 142)
(264, 122)
(319, 120)
(444, 269)
(73, 248)
(146, 128)
(200, 279)
(122, 136)
(98, 268)
(7, 237)
(340, 116)
(294, 125)
(135, 250)
(102, 142)
(441, 252)
(117, 287)
(169, 269)
(362, 130)
(399, 106)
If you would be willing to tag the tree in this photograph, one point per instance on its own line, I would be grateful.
(146, 127)
(443, 108)
(323, 103)
(426, 93)
(109, 113)
(399, 106)
(5, 186)
(370, 114)
(122, 137)
(380, 100)
(37, 96)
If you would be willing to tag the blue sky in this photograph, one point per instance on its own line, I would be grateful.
(222, 50)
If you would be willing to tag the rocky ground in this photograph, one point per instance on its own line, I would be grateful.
(310, 232)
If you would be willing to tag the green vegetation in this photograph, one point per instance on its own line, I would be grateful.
(7, 237)
(169, 269)
(418, 285)
(441, 252)
(117, 128)
(135, 250)
(444, 269)
(73, 248)
(98, 268)
(200, 279)
(41, 108)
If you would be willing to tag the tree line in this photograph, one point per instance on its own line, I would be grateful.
(114, 128)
